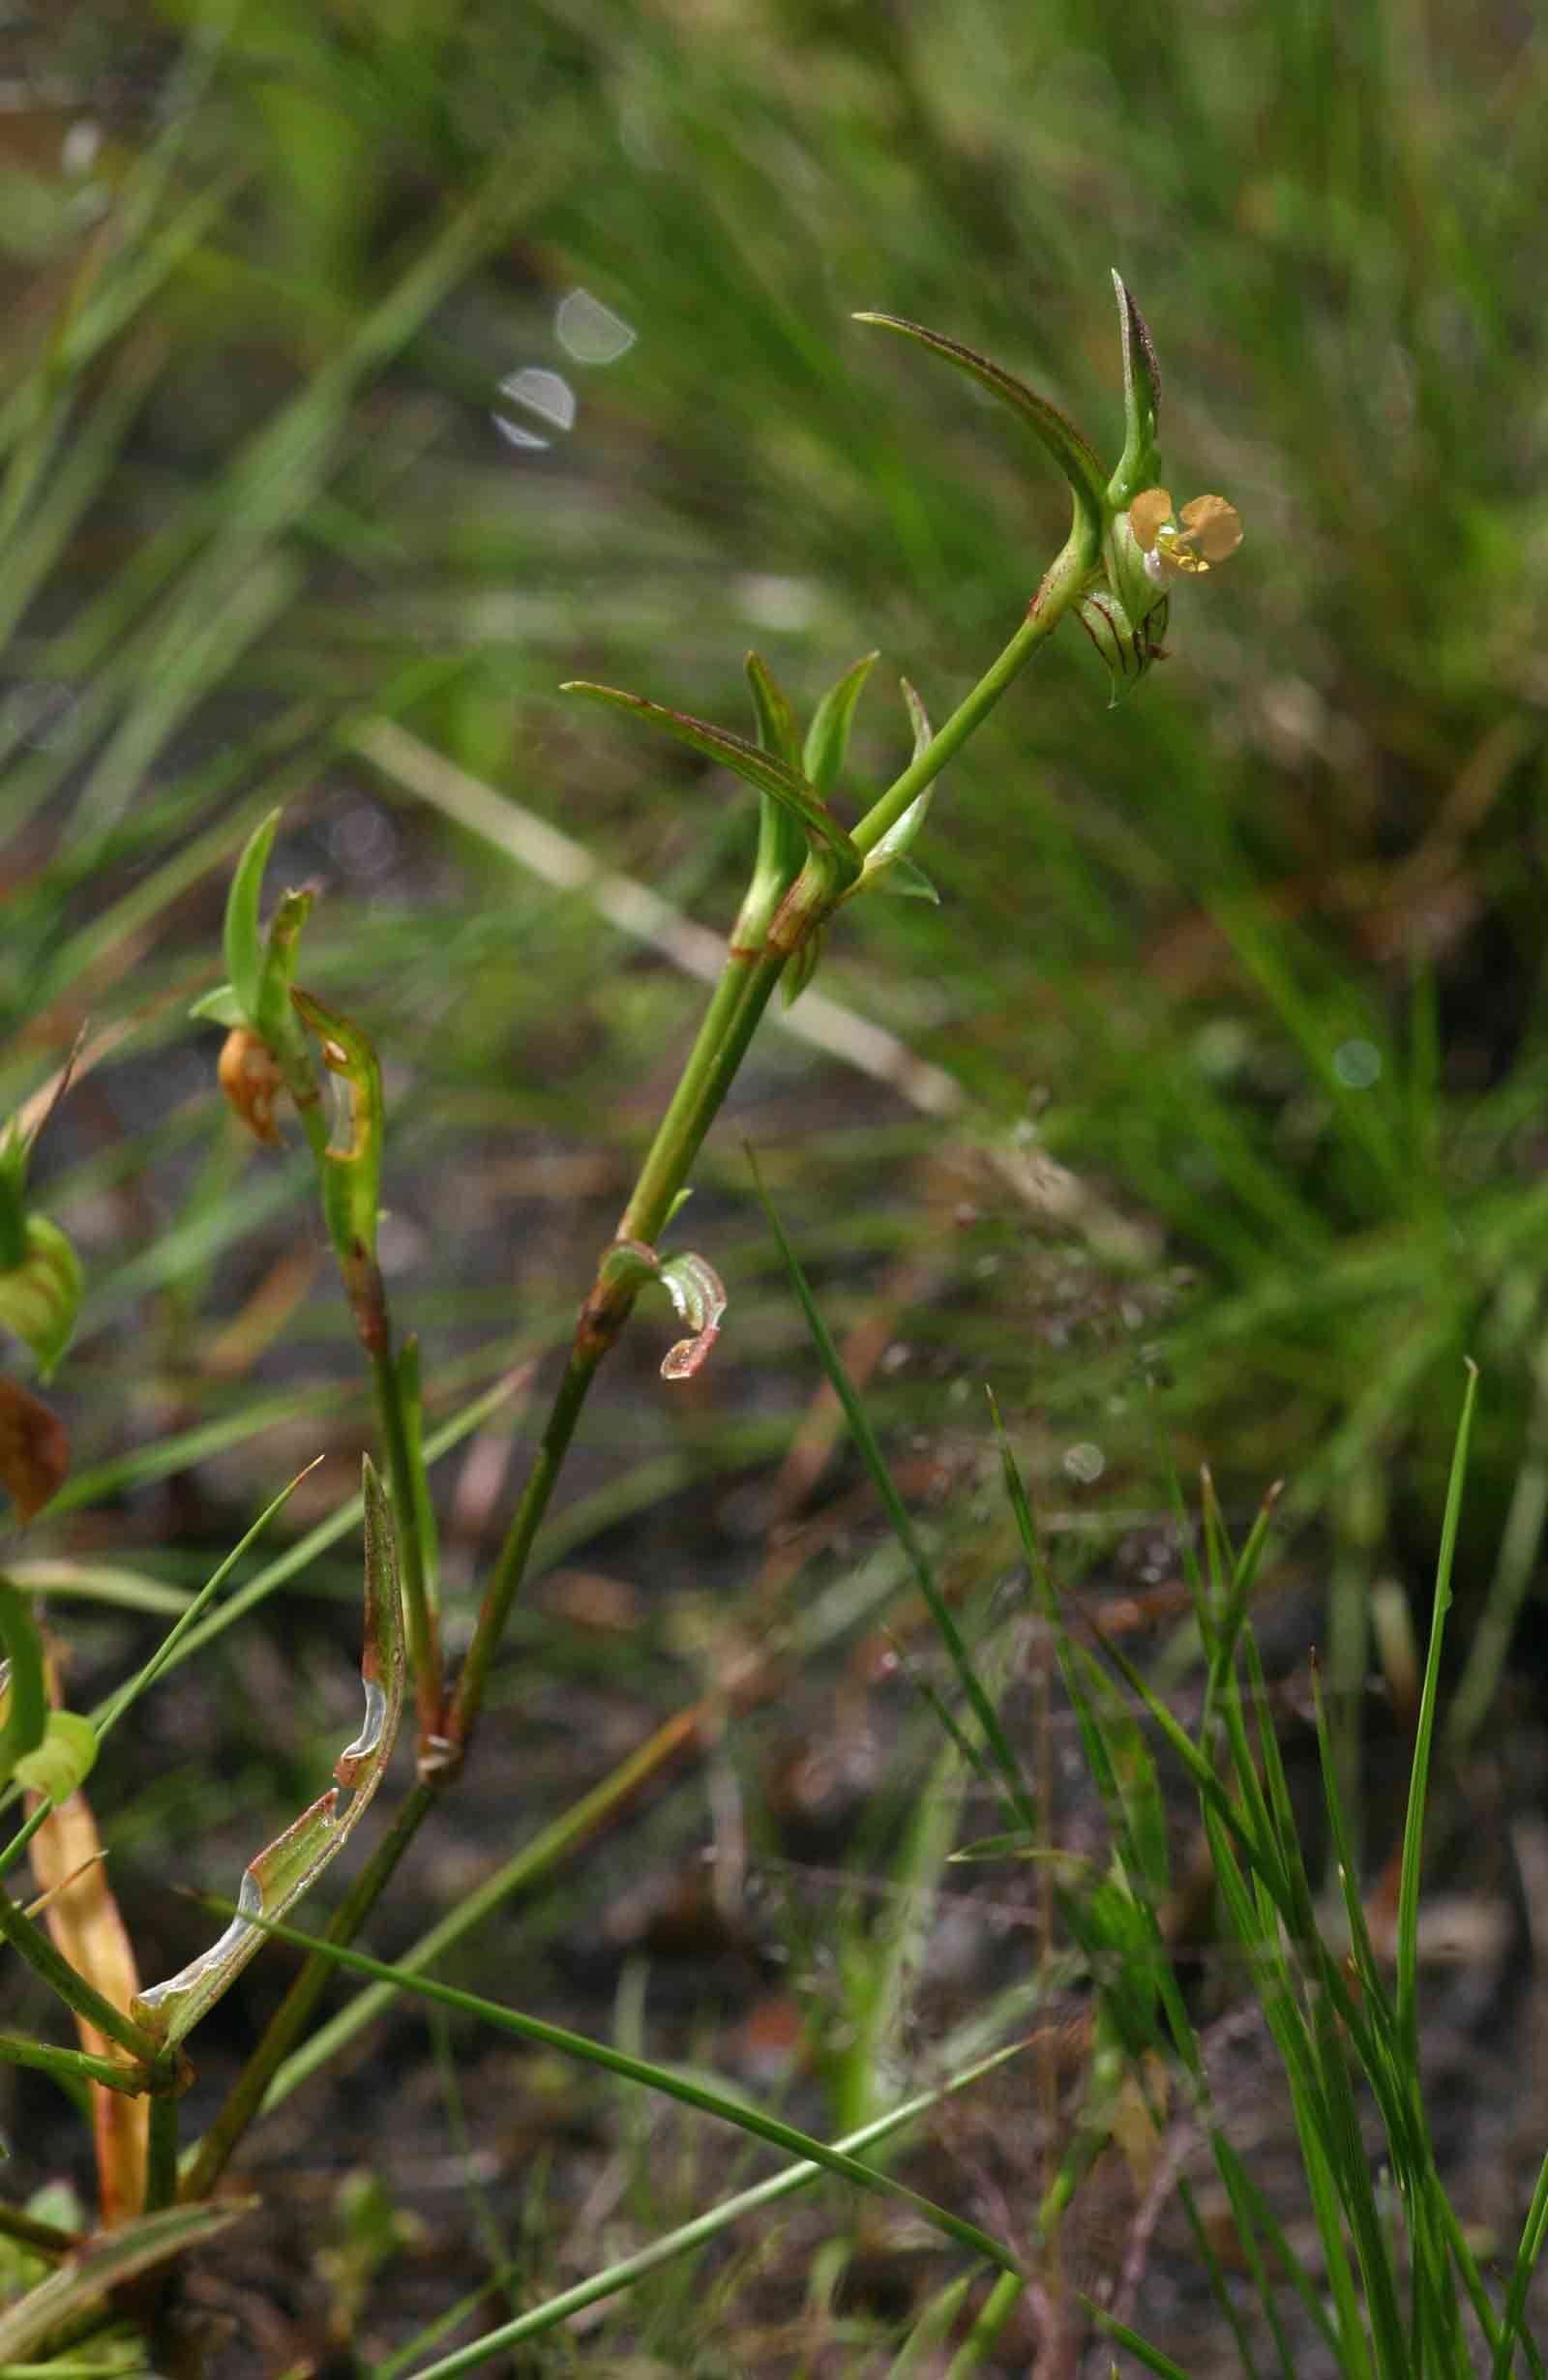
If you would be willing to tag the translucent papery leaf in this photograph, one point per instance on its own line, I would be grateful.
(777, 730)
(695, 1290)
(1128, 650)
(34, 1449)
(693, 1287)
(351, 1184)
(1058, 435)
(290, 1864)
(898, 874)
(887, 868)
(112, 2257)
(244, 944)
(40, 1297)
(827, 739)
(826, 837)
(1140, 465)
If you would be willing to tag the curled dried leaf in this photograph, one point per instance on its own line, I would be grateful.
(697, 1292)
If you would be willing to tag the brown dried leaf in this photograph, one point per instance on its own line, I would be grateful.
(83, 1920)
(34, 1449)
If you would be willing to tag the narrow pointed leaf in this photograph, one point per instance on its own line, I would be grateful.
(827, 739)
(777, 730)
(83, 2279)
(34, 1449)
(40, 1297)
(1140, 465)
(244, 944)
(1058, 435)
(762, 770)
(290, 1864)
(781, 836)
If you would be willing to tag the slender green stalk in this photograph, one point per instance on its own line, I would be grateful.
(1058, 591)
(161, 2167)
(725, 1033)
(421, 1619)
(681, 1134)
(81, 1998)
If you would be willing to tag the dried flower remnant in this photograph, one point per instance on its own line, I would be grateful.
(251, 1078)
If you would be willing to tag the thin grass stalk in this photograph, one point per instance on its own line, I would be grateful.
(1407, 1900)
(988, 2323)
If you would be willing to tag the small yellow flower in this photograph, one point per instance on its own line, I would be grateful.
(1205, 532)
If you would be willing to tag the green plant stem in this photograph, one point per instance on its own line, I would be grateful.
(160, 2164)
(80, 1997)
(727, 1025)
(420, 1621)
(1060, 587)
(730, 1022)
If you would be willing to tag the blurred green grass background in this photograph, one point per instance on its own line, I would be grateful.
(1257, 953)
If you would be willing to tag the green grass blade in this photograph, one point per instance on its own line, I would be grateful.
(1407, 1899)
(994, 1737)
(1530, 2248)
(689, 2236)
(650, 2077)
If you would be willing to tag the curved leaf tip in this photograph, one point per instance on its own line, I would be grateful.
(1055, 433)
(1139, 463)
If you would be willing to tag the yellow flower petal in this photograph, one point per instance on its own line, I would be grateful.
(1211, 528)
(1151, 510)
